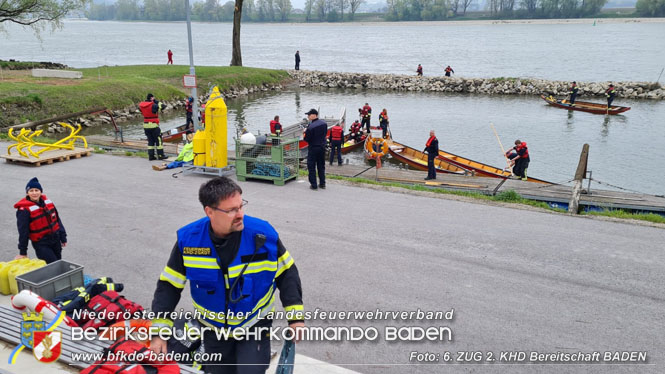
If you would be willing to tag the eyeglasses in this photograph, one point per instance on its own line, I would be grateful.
(234, 211)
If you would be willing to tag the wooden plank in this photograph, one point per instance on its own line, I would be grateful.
(48, 157)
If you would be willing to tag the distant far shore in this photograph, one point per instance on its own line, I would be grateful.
(562, 21)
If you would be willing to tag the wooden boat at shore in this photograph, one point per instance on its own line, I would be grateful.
(176, 134)
(482, 170)
(298, 130)
(418, 160)
(351, 144)
(584, 106)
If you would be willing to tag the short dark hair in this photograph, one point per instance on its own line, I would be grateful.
(216, 190)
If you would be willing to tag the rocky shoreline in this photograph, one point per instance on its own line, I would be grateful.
(485, 86)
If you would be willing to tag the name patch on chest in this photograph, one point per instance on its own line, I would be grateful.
(196, 251)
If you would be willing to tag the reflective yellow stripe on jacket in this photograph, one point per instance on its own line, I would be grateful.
(200, 262)
(176, 279)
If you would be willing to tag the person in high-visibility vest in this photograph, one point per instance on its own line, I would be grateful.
(234, 264)
(150, 109)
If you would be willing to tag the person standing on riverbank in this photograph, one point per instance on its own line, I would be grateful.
(315, 136)
(170, 56)
(38, 220)
(297, 60)
(420, 70)
(150, 109)
(189, 105)
(573, 93)
(449, 70)
(610, 93)
(432, 150)
(336, 139)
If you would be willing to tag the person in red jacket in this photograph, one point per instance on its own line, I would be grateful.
(170, 55)
(519, 156)
(150, 109)
(419, 70)
(432, 150)
(366, 115)
(336, 139)
(449, 70)
(38, 220)
(275, 130)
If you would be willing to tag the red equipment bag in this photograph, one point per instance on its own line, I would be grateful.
(109, 307)
(118, 365)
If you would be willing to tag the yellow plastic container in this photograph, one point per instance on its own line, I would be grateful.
(4, 274)
(22, 269)
(216, 131)
(199, 148)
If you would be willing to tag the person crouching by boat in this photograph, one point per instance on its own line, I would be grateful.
(383, 122)
(189, 105)
(432, 150)
(356, 131)
(519, 155)
(38, 220)
(610, 93)
(573, 93)
(275, 130)
(150, 109)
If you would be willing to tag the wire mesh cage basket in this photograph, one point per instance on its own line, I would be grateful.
(276, 160)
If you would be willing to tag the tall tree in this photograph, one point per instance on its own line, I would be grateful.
(309, 4)
(466, 4)
(236, 57)
(353, 7)
(37, 14)
(283, 8)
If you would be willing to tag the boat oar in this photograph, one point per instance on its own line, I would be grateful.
(501, 145)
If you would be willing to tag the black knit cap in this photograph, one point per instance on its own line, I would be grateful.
(33, 183)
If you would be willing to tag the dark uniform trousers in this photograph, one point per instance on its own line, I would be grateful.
(316, 160)
(431, 172)
(246, 356)
(336, 146)
(48, 248)
(154, 136)
(365, 123)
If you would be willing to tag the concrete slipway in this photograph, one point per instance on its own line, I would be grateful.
(517, 279)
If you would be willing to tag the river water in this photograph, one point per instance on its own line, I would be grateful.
(612, 50)
(625, 150)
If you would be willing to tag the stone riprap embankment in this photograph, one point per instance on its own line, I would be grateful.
(486, 86)
(132, 112)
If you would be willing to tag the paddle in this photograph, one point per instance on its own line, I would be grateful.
(501, 145)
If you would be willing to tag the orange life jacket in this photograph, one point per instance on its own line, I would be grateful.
(146, 110)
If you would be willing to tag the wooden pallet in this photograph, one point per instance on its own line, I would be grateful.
(10, 331)
(49, 157)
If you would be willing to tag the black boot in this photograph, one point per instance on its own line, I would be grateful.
(151, 155)
(160, 154)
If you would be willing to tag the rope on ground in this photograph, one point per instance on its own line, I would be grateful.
(175, 175)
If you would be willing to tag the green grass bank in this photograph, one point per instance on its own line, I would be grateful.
(25, 98)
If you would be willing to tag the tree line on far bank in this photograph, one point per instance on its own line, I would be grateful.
(345, 10)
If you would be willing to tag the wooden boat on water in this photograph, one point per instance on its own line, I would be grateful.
(584, 106)
(418, 160)
(298, 130)
(351, 144)
(176, 134)
(480, 169)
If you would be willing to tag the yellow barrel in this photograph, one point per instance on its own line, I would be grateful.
(199, 148)
(4, 274)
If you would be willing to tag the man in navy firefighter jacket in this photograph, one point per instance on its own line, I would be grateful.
(234, 264)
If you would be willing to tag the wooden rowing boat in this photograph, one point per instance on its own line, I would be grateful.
(351, 144)
(298, 130)
(418, 160)
(176, 134)
(480, 169)
(584, 106)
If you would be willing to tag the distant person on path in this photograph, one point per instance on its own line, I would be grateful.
(519, 155)
(449, 70)
(170, 55)
(419, 70)
(315, 136)
(38, 220)
(383, 122)
(150, 109)
(366, 115)
(610, 93)
(573, 92)
(336, 139)
(297, 60)
(189, 105)
(432, 150)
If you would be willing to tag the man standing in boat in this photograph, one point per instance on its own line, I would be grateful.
(366, 115)
(610, 93)
(383, 122)
(432, 150)
(573, 92)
